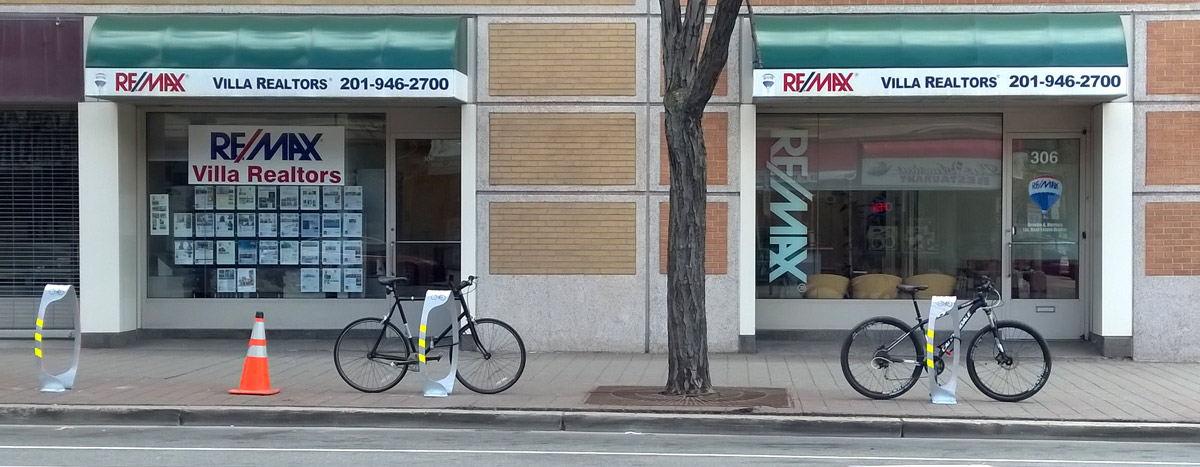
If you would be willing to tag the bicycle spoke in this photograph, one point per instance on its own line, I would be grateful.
(352, 355)
(1017, 373)
(495, 360)
(880, 359)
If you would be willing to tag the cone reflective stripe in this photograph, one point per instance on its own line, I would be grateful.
(256, 375)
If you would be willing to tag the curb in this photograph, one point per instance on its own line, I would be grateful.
(592, 421)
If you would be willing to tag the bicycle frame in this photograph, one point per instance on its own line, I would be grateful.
(973, 306)
(397, 306)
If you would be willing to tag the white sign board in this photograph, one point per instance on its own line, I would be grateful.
(266, 155)
(922, 82)
(931, 173)
(208, 82)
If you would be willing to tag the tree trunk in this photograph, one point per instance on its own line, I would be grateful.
(687, 327)
(691, 75)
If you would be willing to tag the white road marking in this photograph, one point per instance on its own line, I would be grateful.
(927, 465)
(590, 453)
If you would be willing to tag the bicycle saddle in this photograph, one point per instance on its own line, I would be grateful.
(387, 280)
(912, 289)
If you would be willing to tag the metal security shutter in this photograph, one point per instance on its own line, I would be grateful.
(39, 212)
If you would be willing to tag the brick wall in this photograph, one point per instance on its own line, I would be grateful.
(716, 142)
(563, 148)
(1173, 148)
(768, 3)
(567, 59)
(563, 238)
(716, 239)
(1172, 57)
(1172, 233)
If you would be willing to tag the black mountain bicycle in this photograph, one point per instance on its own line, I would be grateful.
(373, 354)
(882, 357)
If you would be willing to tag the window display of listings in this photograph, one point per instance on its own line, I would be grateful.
(312, 240)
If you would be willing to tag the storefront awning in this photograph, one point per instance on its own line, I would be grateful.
(941, 55)
(277, 56)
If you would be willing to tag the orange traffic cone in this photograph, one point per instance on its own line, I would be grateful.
(256, 377)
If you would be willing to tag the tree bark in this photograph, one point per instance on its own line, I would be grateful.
(691, 74)
(687, 325)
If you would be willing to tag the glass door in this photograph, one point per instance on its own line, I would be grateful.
(1044, 248)
(427, 245)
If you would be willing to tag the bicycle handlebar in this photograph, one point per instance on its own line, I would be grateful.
(461, 285)
(983, 290)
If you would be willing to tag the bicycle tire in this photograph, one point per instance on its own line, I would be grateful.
(354, 364)
(1015, 347)
(503, 364)
(876, 333)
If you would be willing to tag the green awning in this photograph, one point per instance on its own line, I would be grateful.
(279, 42)
(941, 41)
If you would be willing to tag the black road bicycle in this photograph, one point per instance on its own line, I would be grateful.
(373, 354)
(883, 357)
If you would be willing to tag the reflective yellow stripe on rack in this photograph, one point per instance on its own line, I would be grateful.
(929, 348)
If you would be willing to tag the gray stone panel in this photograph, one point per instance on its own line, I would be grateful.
(1164, 307)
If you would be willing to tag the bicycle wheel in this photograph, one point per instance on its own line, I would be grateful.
(1019, 372)
(881, 358)
(495, 361)
(363, 370)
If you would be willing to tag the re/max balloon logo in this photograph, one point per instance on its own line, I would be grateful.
(1045, 191)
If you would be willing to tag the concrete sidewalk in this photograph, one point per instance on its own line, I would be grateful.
(1083, 386)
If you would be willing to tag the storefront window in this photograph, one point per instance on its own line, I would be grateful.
(849, 206)
(311, 227)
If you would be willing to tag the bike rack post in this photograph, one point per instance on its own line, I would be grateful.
(938, 308)
(65, 380)
(439, 312)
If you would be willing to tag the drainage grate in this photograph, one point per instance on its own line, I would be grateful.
(724, 397)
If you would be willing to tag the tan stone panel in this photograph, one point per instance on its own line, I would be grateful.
(563, 148)
(335, 2)
(545, 238)
(562, 59)
(716, 237)
(1173, 148)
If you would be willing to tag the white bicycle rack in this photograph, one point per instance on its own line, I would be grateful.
(939, 308)
(65, 380)
(439, 312)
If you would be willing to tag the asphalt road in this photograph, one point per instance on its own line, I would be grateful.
(188, 446)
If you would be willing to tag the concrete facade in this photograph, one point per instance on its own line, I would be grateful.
(1165, 183)
(533, 75)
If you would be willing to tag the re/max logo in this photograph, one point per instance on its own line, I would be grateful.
(1044, 183)
(150, 82)
(816, 81)
(287, 146)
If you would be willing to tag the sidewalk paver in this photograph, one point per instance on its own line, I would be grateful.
(1083, 386)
